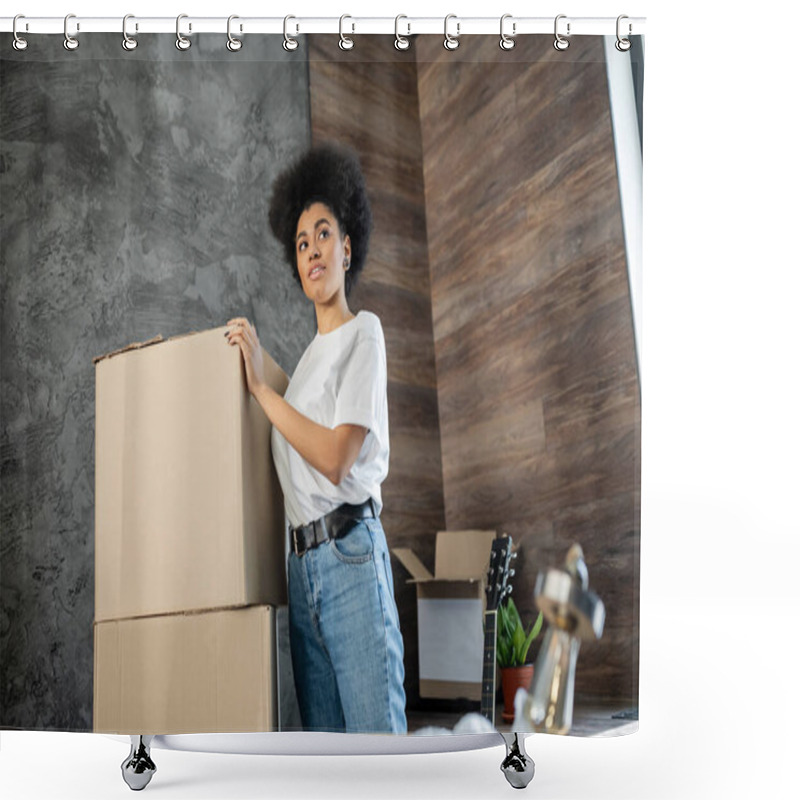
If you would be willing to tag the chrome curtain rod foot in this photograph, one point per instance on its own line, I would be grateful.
(518, 766)
(138, 768)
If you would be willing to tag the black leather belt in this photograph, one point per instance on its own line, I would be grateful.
(333, 525)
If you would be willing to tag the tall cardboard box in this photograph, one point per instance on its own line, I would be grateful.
(212, 672)
(188, 509)
(450, 609)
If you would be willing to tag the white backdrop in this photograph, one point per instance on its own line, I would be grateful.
(719, 692)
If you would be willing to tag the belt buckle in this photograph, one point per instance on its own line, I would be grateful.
(295, 544)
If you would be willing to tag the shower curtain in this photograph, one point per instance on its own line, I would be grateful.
(135, 188)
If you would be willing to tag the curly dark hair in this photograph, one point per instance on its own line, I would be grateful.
(328, 173)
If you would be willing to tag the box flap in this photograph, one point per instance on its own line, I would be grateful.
(158, 339)
(408, 558)
(463, 554)
(132, 346)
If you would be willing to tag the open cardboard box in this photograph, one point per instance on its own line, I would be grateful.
(188, 509)
(450, 608)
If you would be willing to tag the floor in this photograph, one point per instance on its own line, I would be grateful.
(588, 719)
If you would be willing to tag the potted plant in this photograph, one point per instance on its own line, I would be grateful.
(513, 644)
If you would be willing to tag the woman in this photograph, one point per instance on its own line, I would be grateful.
(330, 442)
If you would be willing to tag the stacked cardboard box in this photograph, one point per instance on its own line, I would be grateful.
(189, 541)
(450, 609)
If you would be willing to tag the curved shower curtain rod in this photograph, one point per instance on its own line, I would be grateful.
(562, 25)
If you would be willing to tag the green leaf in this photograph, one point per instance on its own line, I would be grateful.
(518, 641)
(513, 614)
(503, 657)
(535, 628)
(502, 622)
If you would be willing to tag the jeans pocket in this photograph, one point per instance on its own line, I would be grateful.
(356, 546)
(387, 569)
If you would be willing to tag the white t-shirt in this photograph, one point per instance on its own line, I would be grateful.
(340, 379)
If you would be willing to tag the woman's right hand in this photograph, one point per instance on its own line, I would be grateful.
(244, 334)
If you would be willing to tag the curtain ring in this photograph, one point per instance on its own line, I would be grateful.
(560, 42)
(622, 44)
(288, 42)
(400, 42)
(507, 42)
(128, 42)
(233, 44)
(451, 42)
(345, 42)
(19, 43)
(182, 43)
(70, 42)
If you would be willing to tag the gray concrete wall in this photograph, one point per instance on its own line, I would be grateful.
(134, 191)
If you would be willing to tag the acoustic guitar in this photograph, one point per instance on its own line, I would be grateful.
(497, 588)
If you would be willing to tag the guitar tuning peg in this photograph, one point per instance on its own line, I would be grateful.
(514, 554)
(512, 573)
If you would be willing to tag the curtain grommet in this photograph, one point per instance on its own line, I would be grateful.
(128, 42)
(70, 42)
(623, 44)
(451, 42)
(181, 42)
(561, 43)
(233, 44)
(401, 42)
(345, 42)
(289, 44)
(19, 43)
(507, 41)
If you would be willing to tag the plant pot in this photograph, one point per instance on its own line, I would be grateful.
(514, 678)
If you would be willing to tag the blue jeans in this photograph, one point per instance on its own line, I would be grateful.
(347, 651)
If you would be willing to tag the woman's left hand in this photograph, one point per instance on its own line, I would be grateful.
(244, 334)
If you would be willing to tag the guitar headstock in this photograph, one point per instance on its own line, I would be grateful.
(499, 572)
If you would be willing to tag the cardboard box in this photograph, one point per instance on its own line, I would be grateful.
(213, 672)
(450, 608)
(188, 509)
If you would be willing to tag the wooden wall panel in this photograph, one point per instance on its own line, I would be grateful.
(536, 373)
(501, 284)
(367, 98)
